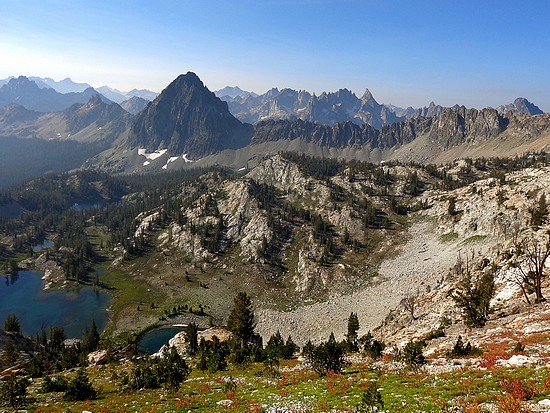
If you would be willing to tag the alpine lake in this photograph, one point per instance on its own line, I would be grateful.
(23, 294)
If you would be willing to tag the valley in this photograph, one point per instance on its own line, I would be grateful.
(423, 228)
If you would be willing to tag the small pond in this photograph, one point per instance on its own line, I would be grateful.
(22, 294)
(45, 244)
(153, 340)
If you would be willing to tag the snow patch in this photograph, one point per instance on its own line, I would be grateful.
(152, 156)
(146, 163)
(171, 159)
(185, 158)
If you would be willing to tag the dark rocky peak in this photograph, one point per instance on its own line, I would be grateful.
(521, 105)
(185, 83)
(95, 100)
(186, 118)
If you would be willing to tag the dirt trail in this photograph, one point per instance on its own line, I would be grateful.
(422, 262)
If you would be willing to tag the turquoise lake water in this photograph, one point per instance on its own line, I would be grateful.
(22, 294)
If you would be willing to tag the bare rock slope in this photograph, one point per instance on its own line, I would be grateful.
(418, 265)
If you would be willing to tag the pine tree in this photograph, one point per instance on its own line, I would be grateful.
(241, 319)
(90, 340)
(80, 388)
(474, 297)
(13, 391)
(539, 214)
(11, 324)
(191, 336)
(451, 208)
(353, 328)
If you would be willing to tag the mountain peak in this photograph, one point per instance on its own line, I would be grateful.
(186, 118)
(367, 96)
(521, 105)
(189, 78)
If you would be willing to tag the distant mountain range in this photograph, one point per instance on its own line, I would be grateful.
(188, 124)
(93, 121)
(27, 93)
(330, 108)
(118, 97)
(231, 92)
(68, 86)
(327, 108)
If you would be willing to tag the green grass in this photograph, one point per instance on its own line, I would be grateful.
(448, 237)
(473, 239)
(401, 391)
(128, 294)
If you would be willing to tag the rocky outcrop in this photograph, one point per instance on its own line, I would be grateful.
(454, 127)
(282, 174)
(232, 219)
(186, 118)
(180, 343)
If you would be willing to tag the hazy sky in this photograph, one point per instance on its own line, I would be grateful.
(474, 52)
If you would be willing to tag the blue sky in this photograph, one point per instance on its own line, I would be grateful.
(477, 53)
